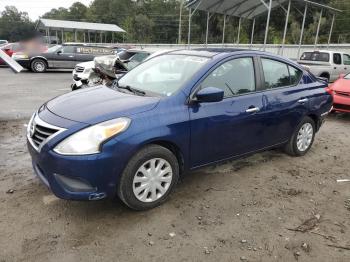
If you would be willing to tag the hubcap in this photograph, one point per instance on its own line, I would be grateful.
(152, 180)
(39, 66)
(305, 136)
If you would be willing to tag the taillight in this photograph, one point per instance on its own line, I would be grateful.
(329, 91)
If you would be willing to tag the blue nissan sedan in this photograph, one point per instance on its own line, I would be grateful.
(174, 113)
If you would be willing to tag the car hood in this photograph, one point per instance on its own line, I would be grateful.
(89, 64)
(342, 85)
(97, 104)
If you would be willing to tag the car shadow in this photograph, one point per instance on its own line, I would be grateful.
(344, 117)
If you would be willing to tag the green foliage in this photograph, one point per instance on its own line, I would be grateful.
(15, 25)
(157, 21)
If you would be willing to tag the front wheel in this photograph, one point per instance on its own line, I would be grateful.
(302, 138)
(148, 178)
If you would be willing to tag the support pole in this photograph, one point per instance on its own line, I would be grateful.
(318, 28)
(84, 36)
(75, 36)
(267, 24)
(223, 31)
(331, 31)
(189, 27)
(113, 37)
(302, 30)
(207, 32)
(252, 35)
(286, 27)
(56, 36)
(89, 36)
(101, 37)
(180, 21)
(62, 34)
(239, 30)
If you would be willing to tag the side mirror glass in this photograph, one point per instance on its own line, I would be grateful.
(209, 95)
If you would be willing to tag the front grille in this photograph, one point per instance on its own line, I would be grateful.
(79, 69)
(341, 106)
(342, 93)
(39, 132)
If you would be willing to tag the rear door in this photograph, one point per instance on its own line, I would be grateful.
(285, 99)
(235, 125)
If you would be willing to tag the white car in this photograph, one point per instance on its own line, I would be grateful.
(326, 64)
(130, 57)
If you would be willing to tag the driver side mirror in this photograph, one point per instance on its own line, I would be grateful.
(209, 95)
(341, 76)
(59, 52)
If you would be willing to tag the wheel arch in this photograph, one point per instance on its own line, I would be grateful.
(316, 119)
(173, 148)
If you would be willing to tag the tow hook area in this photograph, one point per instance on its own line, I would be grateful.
(97, 196)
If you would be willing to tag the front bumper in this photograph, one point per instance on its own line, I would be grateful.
(341, 103)
(24, 62)
(85, 177)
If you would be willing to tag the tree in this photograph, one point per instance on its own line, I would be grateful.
(15, 25)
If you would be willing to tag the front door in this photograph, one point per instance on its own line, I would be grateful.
(233, 126)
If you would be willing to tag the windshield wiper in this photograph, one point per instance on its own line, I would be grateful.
(131, 89)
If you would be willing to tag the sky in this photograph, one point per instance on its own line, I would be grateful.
(36, 8)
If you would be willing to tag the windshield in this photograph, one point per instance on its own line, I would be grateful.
(315, 56)
(54, 48)
(163, 75)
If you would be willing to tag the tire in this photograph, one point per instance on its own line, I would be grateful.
(305, 143)
(38, 65)
(152, 191)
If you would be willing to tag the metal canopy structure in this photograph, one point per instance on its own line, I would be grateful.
(251, 9)
(73, 26)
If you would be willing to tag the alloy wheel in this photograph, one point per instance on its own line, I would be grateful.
(305, 136)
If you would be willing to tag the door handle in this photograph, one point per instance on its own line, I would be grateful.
(302, 101)
(253, 110)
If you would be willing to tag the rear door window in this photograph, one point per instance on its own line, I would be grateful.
(337, 59)
(295, 75)
(276, 74)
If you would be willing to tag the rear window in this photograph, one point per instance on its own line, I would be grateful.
(315, 56)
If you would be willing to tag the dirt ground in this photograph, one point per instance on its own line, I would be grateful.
(246, 210)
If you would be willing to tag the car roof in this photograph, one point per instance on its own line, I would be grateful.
(208, 52)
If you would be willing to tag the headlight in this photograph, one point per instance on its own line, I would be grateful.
(89, 140)
(20, 56)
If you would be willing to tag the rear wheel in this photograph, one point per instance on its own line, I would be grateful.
(302, 138)
(148, 178)
(38, 66)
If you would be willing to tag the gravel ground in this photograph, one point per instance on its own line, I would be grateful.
(268, 207)
(251, 209)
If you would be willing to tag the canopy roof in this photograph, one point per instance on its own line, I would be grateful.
(72, 25)
(243, 8)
